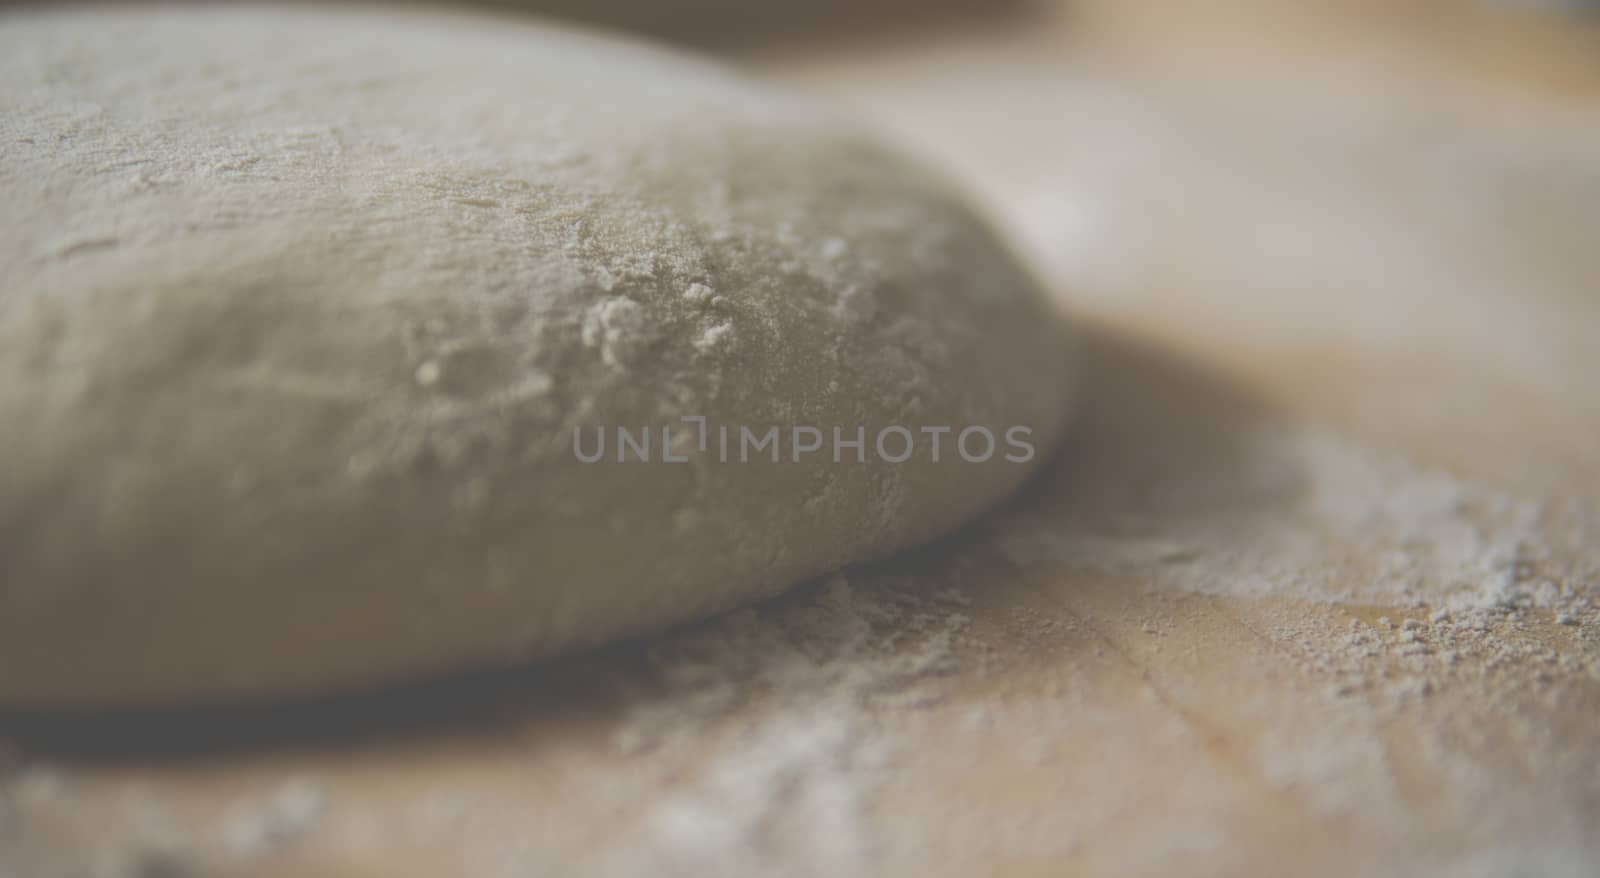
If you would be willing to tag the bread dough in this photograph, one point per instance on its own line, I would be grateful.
(303, 309)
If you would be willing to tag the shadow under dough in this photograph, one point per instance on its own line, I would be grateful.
(1159, 445)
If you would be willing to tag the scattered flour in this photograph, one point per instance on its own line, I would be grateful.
(1418, 600)
(616, 326)
(714, 338)
(1421, 539)
(257, 828)
(788, 694)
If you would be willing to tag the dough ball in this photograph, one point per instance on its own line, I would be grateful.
(310, 318)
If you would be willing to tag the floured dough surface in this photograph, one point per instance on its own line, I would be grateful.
(303, 308)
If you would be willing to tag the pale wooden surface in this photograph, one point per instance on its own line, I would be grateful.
(1314, 588)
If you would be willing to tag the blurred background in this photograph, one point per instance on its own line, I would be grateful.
(1397, 198)
(1329, 184)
